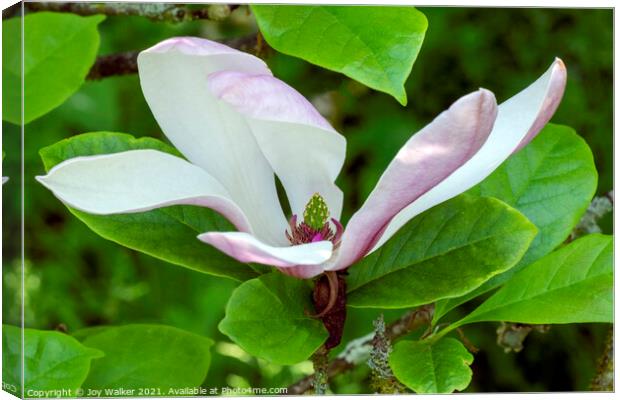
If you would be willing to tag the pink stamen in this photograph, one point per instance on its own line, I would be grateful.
(302, 233)
(339, 231)
(317, 238)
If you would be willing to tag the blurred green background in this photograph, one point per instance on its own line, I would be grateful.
(77, 279)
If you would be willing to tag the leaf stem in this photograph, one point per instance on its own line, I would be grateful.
(438, 335)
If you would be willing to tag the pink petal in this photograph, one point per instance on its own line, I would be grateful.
(302, 261)
(265, 97)
(194, 46)
(518, 120)
(554, 81)
(427, 158)
(303, 271)
(301, 146)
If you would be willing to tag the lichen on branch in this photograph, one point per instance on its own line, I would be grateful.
(381, 376)
(358, 351)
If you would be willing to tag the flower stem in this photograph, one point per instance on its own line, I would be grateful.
(332, 281)
(330, 302)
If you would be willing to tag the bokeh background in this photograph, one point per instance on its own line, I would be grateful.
(76, 279)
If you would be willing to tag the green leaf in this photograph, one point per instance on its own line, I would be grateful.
(52, 361)
(167, 233)
(59, 50)
(551, 181)
(573, 284)
(374, 45)
(440, 366)
(444, 252)
(269, 318)
(146, 356)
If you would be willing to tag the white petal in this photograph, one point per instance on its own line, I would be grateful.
(173, 76)
(519, 119)
(301, 146)
(136, 181)
(304, 260)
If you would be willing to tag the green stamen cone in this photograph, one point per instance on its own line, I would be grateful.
(316, 212)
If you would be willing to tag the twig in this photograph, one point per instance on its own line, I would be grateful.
(468, 344)
(114, 64)
(159, 12)
(126, 63)
(358, 350)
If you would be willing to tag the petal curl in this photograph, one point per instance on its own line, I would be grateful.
(173, 76)
(519, 120)
(304, 261)
(425, 160)
(137, 181)
(301, 146)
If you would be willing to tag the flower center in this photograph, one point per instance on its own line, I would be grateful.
(316, 224)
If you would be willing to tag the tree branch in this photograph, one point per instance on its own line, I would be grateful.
(114, 64)
(359, 350)
(126, 63)
(159, 12)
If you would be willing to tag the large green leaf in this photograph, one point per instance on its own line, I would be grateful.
(53, 361)
(440, 366)
(444, 252)
(269, 318)
(157, 357)
(551, 181)
(374, 45)
(572, 284)
(59, 50)
(167, 233)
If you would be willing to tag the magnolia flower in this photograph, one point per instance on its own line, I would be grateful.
(239, 127)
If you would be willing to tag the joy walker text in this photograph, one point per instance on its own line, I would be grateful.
(123, 392)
